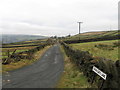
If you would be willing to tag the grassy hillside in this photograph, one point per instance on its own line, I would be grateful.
(107, 49)
(30, 43)
(20, 46)
(9, 38)
(93, 35)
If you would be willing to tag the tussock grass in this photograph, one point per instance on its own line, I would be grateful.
(100, 52)
(92, 35)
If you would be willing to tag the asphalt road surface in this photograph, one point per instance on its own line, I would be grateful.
(44, 73)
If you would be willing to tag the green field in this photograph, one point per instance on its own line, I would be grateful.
(26, 43)
(11, 50)
(18, 49)
(92, 35)
(106, 49)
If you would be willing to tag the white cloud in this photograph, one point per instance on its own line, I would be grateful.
(119, 16)
(57, 17)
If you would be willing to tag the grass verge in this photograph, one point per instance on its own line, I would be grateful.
(23, 62)
(72, 77)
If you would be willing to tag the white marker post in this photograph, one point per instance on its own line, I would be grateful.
(99, 72)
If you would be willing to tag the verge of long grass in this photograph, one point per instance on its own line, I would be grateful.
(72, 77)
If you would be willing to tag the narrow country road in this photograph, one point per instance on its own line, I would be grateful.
(44, 73)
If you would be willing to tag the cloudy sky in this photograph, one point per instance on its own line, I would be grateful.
(57, 17)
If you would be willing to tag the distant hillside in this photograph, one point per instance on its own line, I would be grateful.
(10, 38)
(93, 36)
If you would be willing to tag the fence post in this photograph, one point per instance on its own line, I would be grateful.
(93, 78)
(101, 86)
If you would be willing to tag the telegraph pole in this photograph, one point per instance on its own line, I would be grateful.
(79, 25)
